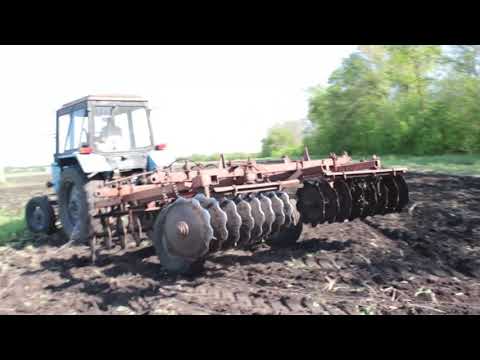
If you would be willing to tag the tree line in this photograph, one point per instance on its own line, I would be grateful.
(391, 99)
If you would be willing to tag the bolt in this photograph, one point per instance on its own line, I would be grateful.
(182, 228)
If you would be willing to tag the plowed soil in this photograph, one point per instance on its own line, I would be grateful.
(425, 260)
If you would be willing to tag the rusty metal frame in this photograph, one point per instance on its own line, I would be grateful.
(234, 177)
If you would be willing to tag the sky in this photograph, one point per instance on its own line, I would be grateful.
(204, 99)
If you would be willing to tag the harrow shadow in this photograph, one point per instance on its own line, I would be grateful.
(153, 280)
(267, 255)
(438, 252)
(75, 272)
(55, 240)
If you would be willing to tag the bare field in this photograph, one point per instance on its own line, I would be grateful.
(422, 261)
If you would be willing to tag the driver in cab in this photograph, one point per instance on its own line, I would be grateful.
(111, 137)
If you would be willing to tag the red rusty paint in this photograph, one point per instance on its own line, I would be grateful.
(236, 177)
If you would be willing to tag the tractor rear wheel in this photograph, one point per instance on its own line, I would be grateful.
(40, 216)
(75, 205)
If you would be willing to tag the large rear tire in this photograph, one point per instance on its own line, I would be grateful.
(76, 205)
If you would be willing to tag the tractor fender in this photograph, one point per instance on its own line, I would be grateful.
(93, 163)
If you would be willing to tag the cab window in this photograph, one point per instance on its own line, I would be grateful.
(73, 130)
(121, 128)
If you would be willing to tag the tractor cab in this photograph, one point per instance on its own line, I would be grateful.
(107, 134)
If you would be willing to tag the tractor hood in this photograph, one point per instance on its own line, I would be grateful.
(127, 161)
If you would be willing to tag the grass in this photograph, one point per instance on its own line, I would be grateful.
(448, 164)
(366, 310)
(11, 227)
(454, 164)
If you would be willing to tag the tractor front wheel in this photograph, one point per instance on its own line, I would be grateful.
(40, 216)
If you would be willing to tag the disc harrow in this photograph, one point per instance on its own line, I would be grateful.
(191, 212)
(323, 202)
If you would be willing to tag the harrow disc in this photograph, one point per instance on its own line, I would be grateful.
(382, 197)
(331, 200)
(218, 219)
(248, 222)
(266, 205)
(393, 193)
(234, 222)
(402, 192)
(277, 207)
(370, 198)
(287, 207)
(288, 235)
(258, 217)
(311, 204)
(344, 200)
(181, 236)
(358, 197)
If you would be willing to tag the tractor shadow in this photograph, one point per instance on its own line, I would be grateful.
(55, 240)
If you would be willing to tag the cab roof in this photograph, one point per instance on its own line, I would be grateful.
(106, 97)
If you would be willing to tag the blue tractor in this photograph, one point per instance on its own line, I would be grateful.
(99, 138)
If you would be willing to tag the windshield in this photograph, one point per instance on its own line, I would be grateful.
(121, 128)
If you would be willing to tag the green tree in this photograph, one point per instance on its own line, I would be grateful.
(345, 113)
(283, 139)
(463, 59)
(394, 99)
